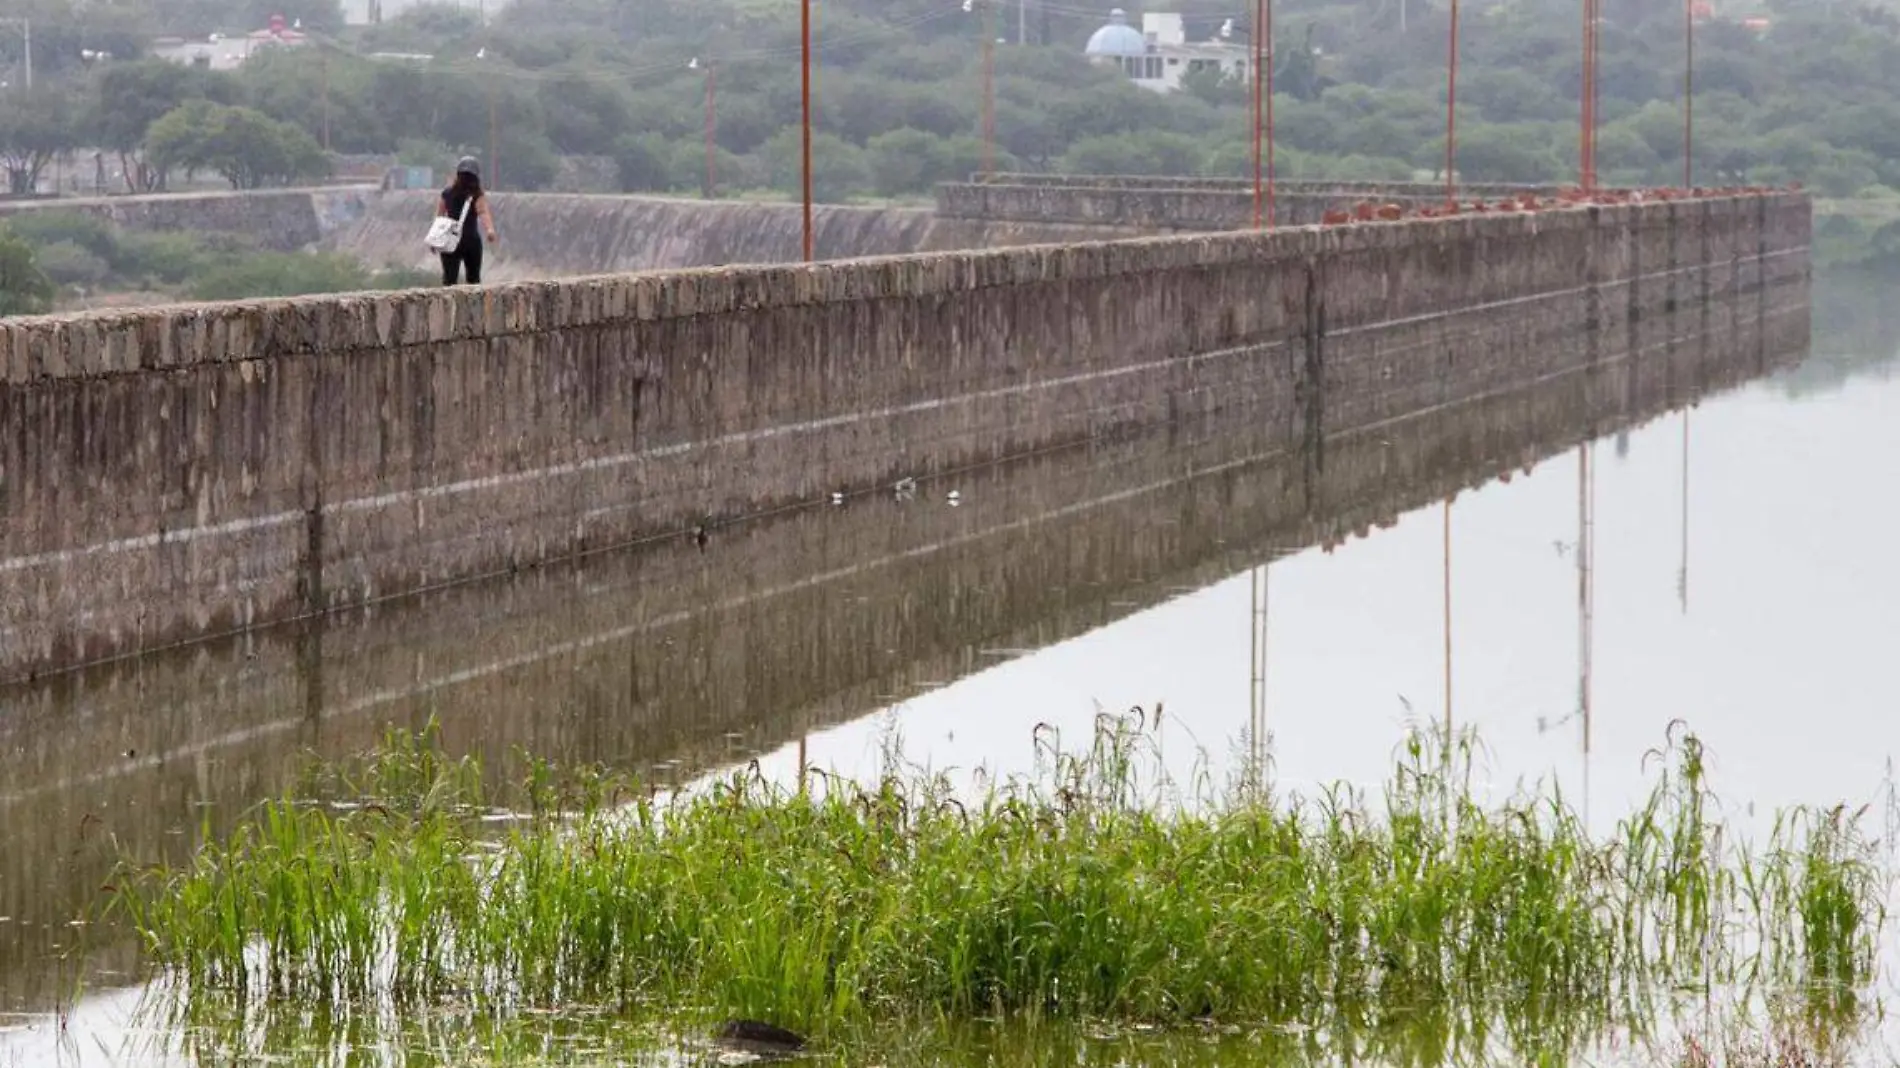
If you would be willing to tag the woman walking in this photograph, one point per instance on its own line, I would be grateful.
(466, 192)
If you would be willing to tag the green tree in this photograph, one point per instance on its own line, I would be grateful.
(24, 288)
(1147, 152)
(1518, 152)
(586, 114)
(324, 92)
(129, 97)
(250, 149)
(912, 161)
(644, 164)
(839, 169)
(281, 274)
(34, 128)
(1217, 87)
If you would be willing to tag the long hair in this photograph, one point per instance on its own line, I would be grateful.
(468, 185)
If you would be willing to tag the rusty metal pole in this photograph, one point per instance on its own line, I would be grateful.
(1451, 110)
(804, 21)
(712, 131)
(1259, 83)
(989, 89)
(1688, 94)
(1273, 56)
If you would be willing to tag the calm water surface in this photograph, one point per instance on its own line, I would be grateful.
(1743, 579)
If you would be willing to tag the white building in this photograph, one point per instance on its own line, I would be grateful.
(223, 52)
(1159, 55)
(371, 12)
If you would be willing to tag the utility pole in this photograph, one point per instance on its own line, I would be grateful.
(804, 33)
(323, 72)
(1688, 94)
(712, 129)
(26, 34)
(1022, 22)
(989, 90)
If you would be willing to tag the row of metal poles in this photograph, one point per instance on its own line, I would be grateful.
(1264, 60)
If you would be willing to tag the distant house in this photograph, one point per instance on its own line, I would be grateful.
(1168, 47)
(221, 52)
(372, 12)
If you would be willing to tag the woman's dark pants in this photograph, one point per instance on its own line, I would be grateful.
(469, 256)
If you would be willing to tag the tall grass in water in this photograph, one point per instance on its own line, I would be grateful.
(1076, 892)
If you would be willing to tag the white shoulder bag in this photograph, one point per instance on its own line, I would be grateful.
(446, 233)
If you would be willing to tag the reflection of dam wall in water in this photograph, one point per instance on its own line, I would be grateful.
(184, 472)
(786, 623)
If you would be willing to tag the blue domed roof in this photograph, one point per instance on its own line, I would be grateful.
(1117, 38)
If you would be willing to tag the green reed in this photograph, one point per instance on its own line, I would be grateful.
(1095, 888)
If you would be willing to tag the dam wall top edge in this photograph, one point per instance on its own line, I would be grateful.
(161, 337)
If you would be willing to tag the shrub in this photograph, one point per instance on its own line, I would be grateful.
(170, 259)
(66, 263)
(280, 274)
(44, 227)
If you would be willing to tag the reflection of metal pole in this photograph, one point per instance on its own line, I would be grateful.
(1682, 569)
(1448, 629)
(1257, 679)
(1586, 550)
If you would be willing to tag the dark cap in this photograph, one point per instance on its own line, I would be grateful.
(467, 165)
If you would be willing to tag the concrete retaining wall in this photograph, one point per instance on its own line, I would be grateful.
(546, 235)
(552, 235)
(1347, 189)
(172, 473)
(282, 220)
(776, 628)
(1176, 205)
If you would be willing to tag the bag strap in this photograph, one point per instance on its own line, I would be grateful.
(463, 219)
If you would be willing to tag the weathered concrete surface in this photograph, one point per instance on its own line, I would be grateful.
(1343, 189)
(778, 626)
(547, 235)
(1176, 205)
(282, 220)
(174, 473)
(551, 235)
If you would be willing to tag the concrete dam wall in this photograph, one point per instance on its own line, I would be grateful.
(549, 235)
(1178, 205)
(281, 220)
(174, 473)
(546, 234)
(779, 627)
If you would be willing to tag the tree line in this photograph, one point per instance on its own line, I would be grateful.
(1809, 96)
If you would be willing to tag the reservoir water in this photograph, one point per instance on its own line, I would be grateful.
(1728, 564)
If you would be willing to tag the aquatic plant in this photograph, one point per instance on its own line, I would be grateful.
(1096, 888)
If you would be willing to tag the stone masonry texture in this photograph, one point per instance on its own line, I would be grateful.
(1175, 204)
(777, 626)
(167, 474)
